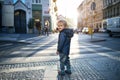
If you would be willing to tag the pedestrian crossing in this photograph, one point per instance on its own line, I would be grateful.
(47, 46)
(87, 59)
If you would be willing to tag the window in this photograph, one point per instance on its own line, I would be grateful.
(117, 10)
(107, 3)
(114, 11)
(111, 12)
(33, 1)
(110, 1)
(39, 1)
(104, 3)
(119, 22)
(103, 14)
(36, 1)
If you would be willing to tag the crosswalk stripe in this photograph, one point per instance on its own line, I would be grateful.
(9, 44)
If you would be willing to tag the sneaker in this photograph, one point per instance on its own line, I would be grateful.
(68, 72)
(62, 73)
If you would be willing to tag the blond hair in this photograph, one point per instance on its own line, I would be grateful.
(64, 23)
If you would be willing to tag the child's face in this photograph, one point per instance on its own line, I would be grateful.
(60, 26)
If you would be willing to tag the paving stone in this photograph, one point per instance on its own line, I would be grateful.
(23, 75)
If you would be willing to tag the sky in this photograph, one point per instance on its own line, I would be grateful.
(68, 8)
(16, 0)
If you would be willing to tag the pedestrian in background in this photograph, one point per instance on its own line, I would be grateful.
(38, 26)
(46, 30)
(46, 27)
(63, 47)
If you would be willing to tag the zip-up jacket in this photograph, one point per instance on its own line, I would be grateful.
(64, 41)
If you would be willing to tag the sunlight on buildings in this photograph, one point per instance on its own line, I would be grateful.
(68, 9)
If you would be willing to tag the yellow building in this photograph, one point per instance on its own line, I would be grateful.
(53, 13)
(88, 17)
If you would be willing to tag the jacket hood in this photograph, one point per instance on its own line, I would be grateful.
(69, 32)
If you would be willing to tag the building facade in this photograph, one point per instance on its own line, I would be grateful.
(88, 17)
(111, 8)
(20, 12)
(53, 13)
(15, 16)
(37, 14)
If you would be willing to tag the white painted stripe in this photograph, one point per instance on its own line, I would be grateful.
(6, 45)
(22, 69)
(106, 54)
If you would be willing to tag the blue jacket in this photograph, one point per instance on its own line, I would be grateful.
(64, 41)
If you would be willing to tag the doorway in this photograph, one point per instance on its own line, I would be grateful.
(20, 21)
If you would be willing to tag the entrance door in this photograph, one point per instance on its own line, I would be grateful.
(20, 21)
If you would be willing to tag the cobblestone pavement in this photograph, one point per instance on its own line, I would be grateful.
(23, 75)
(97, 68)
(88, 61)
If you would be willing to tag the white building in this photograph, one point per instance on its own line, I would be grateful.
(8, 16)
(16, 15)
(40, 10)
(22, 14)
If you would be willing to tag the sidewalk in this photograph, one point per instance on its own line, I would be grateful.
(29, 38)
(96, 37)
(25, 38)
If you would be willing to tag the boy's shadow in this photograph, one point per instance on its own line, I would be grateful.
(66, 77)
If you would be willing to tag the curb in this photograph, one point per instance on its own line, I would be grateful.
(97, 40)
(17, 41)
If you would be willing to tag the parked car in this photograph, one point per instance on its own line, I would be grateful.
(102, 30)
(85, 30)
(77, 31)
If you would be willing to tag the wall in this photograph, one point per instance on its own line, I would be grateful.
(8, 15)
(88, 17)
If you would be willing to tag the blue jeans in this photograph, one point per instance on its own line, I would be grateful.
(64, 61)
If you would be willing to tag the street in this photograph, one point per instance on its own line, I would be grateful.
(90, 60)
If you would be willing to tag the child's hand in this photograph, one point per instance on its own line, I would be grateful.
(57, 52)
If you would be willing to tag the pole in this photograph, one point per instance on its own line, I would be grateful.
(93, 7)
